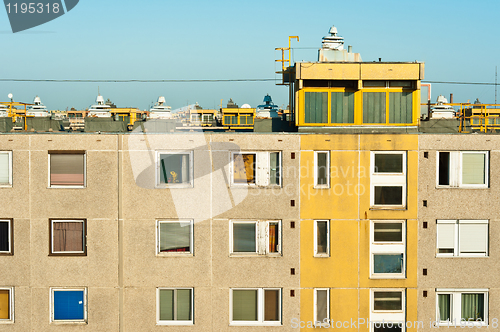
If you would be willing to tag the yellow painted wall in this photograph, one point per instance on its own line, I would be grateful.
(346, 270)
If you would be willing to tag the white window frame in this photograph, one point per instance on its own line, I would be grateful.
(260, 308)
(455, 171)
(388, 179)
(327, 254)
(261, 238)
(190, 184)
(456, 306)
(10, 320)
(328, 171)
(174, 322)
(9, 185)
(388, 316)
(319, 323)
(84, 172)
(10, 234)
(65, 289)
(262, 171)
(390, 248)
(191, 237)
(456, 238)
(84, 240)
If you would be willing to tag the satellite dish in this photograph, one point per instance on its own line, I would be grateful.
(10, 96)
(246, 106)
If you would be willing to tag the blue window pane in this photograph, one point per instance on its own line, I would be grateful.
(388, 263)
(68, 305)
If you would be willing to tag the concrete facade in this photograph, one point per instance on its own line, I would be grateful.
(122, 203)
(459, 273)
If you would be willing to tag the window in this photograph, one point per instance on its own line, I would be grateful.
(400, 107)
(316, 107)
(68, 305)
(455, 305)
(68, 237)
(374, 107)
(6, 304)
(6, 236)
(388, 249)
(67, 169)
(174, 169)
(5, 169)
(256, 168)
(342, 107)
(256, 306)
(465, 238)
(462, 169)
(387, 310)
(321, 169)
(388, 179)
(175, 237)
(175, 306)
(321, 238)
(321, 306)
(255, 237)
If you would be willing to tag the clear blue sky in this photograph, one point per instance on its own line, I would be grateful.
(161, 39)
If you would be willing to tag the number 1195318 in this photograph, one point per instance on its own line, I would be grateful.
(32, 8)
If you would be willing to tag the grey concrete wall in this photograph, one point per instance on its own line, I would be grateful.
(457, 203)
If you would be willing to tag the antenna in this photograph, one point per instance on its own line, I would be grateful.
(496, 84)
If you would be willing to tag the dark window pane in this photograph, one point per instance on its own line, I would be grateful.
(174, 168)
(272, 305)
(321, 305)
(166, 304)
(388, 232)
(273, 237)
(244, 305)
(473, 307)
(446, 251)
(175, 236)
(4, 236)
(387, 327)
(322, 171)
(67, 236)
(388, 163)
(387, 263)
(390, 301)
(322, 237)
(389, 195)
(244, 237)
(67, 169)
(444, 305)
(184, 304)
(444, 168)
(316, 107)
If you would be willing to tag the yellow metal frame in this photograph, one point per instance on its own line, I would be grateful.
(238, 112)
(358, 107)
(283, 60)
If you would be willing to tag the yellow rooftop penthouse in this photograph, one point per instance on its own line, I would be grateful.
(357, 96)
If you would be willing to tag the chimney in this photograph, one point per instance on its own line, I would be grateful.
(451, 98)
(379, 59)
(349, 49)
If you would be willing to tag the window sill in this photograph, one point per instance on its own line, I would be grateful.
(69, 254)
(321, 186)
(463, 324)
(385, 276)
(174, 186)
(322, 256)
(463, 187)
(166, 255)
(6, 254)
(66, 187)
(5, 186)
(175, 323)
(471, 256)
(253, 186)
(251, 254)
(67, 322)
(6, 321)
(255, 324)
(388, 207)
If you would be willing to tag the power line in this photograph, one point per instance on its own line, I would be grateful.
(138, 80)
(191, 81)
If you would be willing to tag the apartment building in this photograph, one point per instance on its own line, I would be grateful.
(149, 232)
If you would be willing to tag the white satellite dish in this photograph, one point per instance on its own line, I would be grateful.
(246, 106)
(10, 96)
